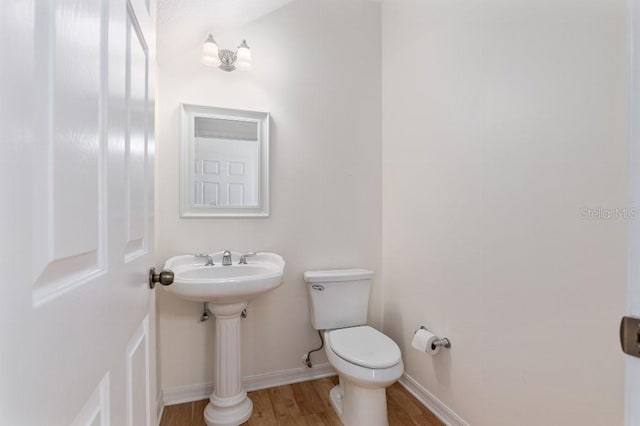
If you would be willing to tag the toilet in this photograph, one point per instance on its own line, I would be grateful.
(366, 360)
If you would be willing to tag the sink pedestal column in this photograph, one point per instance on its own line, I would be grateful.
(228, 404)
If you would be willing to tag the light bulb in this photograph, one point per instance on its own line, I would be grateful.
(210, 56)
(243, 57)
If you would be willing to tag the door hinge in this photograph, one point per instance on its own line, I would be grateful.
(630, 336)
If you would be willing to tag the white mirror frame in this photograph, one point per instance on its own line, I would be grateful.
(190, 210)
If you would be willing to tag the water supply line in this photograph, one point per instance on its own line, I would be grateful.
(307, 358)
(205, 312)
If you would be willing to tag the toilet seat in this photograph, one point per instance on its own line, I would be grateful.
(365, 346)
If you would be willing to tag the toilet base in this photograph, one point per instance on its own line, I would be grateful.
(335, 396)
(358, 406)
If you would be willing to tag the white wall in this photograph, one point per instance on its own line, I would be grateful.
(317, 71)
(501, 121)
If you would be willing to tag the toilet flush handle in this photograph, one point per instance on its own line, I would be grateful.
(317, 287)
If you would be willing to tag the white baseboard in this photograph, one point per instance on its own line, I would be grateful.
(286, 377)
(201, 391)
(187, 393)
(437, 407)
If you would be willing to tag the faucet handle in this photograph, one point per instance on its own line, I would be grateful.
(243, 258)
(206, 256)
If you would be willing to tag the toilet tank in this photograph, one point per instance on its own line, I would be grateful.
(339, 297)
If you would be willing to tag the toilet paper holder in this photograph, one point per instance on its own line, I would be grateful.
(443, 341)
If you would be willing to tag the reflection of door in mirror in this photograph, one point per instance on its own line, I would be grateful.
(226, 169)
(224, 162)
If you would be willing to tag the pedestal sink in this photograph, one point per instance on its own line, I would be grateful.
(227, 289)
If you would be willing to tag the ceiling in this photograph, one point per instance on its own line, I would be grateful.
(183, 24)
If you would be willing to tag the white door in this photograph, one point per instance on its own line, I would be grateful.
(632, 405)
(76, 223)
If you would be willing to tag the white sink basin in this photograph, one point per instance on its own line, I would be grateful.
(224, 284)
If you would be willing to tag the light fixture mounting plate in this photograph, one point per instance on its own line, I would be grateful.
(227, 58)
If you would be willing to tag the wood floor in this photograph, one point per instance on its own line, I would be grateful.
(304, 404)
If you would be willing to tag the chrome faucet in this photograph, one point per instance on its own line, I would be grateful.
(243, 258)
(226, 258)
(207, 257)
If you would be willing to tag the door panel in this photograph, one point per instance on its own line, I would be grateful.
(96, 410)
(69, 146)
(137, 105)
(76, 181)
(138, 375)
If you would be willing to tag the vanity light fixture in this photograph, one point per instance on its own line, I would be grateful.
(225, 59)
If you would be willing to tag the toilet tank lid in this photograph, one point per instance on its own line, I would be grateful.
(335, 275)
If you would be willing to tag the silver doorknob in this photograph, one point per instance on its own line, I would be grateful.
(164, 277)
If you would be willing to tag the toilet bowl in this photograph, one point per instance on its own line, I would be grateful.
(366, 360)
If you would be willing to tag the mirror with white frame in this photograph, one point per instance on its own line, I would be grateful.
(224, 162)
